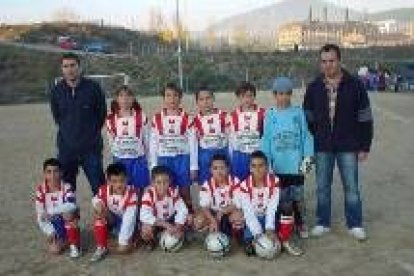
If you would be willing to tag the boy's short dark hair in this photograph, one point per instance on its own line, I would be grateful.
(258, 155)
(172, 86)
(220, 157)
(52, 162)
(203, 88)
(159, 170)
(72, 56)
(331, 47)
(244, 87)
(116, 169)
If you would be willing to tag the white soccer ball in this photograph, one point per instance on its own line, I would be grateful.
(217, 244)
(170, 243)
(266, 248)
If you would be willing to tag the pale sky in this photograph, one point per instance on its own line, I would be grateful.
(197, 14)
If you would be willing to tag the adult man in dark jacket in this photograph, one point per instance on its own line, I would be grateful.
(79, 109)
(339, 115)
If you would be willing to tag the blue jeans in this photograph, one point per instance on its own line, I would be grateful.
(91, 164)
(348, 169)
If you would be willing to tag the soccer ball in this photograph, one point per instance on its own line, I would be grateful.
(266, 248)
(170, 243)
(217, 244)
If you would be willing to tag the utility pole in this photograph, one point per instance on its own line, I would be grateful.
(180, 65)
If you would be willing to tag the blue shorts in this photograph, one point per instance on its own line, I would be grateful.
(204, 160)
(59, 226)
(179, 167)
(240, 164)
(137, 171)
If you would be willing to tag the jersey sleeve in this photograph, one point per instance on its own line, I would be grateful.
(266, 140)
(129, 219)
(205, 196)
(44, 224)
(153, 144)
(272, 209)
(146, 130)
(307, 138)
(250, 217)
(181, 211)
(193, 144)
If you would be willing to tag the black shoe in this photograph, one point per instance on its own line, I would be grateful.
(249, 249)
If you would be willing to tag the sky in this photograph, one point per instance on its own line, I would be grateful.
(197, 14)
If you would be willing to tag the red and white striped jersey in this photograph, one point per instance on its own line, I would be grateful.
(211, 129)
(117, 204)
(260, 201)
(246, 128)
(261, 197)
(128, 136)
(51, 203)
(172, 135)
(154, 207)
(216, 197)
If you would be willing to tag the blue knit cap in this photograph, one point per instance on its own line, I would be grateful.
(282, 84)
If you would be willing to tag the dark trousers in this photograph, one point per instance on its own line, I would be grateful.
(91, 164)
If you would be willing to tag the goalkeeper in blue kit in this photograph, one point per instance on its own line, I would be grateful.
(288, 145)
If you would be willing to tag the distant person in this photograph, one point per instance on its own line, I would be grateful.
(79, 109)
(339, 115)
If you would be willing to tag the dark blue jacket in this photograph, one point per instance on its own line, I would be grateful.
(352, 130)
(80, 115)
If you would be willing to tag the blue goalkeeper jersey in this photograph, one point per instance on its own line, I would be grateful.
(286, 139)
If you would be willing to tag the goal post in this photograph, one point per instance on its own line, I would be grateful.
(108, 82)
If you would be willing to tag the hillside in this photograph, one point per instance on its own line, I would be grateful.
(272, 16)
(289, 10)
(120, 39)
(404, 14)
(27, 75)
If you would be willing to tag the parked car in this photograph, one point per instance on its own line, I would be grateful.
(68, 43)
(97, 47)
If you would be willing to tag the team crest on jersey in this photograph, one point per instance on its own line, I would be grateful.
(171, 131)
(125, 123)
(212, 131)
(171, 121)
(210, 121)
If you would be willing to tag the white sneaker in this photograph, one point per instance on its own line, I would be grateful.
(320, 230)
(100, 252)
(74, 251)
(358, 233)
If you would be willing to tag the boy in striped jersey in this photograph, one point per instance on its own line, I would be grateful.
(162, 208)
(56, 210)
(115, 210)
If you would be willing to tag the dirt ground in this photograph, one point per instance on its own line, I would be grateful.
(28, 136)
